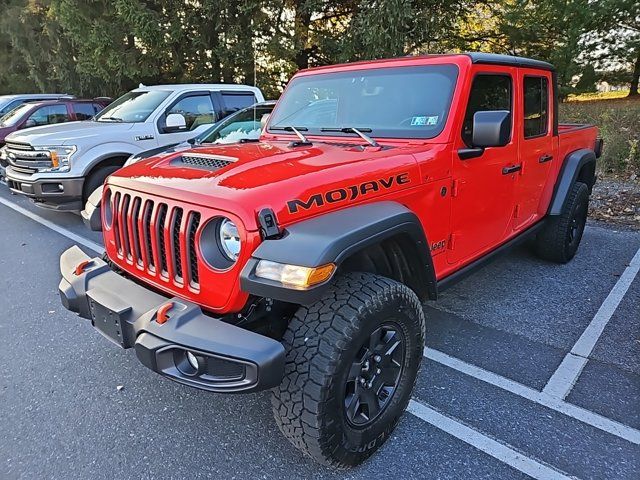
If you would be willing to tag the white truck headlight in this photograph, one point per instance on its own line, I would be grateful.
(60, 157)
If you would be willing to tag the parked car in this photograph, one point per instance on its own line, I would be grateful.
(59, 166)
(35, 114)
(9, 102)
(244, 125)
(300, 263)
(48, 112)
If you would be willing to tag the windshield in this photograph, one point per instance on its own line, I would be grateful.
(401, 102)
(243, 125)
(133, 107)
(15, 115)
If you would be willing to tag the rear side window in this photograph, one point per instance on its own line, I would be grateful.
(85, 111)
(536, 106)
(197, 110)
(50, 114)
(237, 101)
(488, 93)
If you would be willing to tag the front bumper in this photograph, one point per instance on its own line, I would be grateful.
(63, 194)
(230, 359)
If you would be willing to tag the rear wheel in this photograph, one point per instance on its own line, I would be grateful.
(352, 361)
(560, 238)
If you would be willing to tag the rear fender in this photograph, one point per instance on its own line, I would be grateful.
(574, 163)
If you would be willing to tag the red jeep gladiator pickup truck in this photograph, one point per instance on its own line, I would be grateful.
(299, 262)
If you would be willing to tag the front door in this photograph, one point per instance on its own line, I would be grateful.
(198, 112)
(482, 196)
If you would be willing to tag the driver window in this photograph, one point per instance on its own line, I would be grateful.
(488, 93)
(197, 110)
(50, 114)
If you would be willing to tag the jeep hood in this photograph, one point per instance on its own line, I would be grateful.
(70, 133)
(274, 174)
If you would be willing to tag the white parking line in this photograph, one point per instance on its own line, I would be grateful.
(96, 247)
(541, 398)
(488, 445)
(564, 378)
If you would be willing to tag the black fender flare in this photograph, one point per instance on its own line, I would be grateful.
(333, 238)
(571, 167)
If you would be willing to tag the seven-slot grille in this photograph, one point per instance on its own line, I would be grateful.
(157, 237)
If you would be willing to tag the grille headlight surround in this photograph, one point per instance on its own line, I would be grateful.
(220, 243)
(60, 157)
(107, 209)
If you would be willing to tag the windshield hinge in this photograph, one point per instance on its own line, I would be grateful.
(268, 224)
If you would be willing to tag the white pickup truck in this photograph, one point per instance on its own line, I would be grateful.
(59, 166)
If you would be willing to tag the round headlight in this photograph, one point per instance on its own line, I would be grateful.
(229, 239)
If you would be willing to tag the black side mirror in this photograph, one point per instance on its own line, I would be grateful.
(491, 128)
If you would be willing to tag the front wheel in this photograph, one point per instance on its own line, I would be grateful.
(95, 180)
(352, 361)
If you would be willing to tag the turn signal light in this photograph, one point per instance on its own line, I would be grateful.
(55, 161)
(294, 276)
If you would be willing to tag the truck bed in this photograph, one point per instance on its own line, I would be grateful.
(574, 136)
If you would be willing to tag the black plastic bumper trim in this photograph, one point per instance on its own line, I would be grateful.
(125, 313)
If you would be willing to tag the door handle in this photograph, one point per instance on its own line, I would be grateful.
(545, 158)
(511, 169)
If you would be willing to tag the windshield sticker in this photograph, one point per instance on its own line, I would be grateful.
(424, 121)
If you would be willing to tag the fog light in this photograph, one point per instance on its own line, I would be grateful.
(193, 361)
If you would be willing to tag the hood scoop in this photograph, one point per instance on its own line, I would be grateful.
(202, 161)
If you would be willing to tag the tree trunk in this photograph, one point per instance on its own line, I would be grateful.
(245, 41)
(302, 22)
(635, 78)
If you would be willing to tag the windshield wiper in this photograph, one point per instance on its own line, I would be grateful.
(357, 131)
(112, 119)
(297, 130)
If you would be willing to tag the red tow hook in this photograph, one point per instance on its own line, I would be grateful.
(81, 266)
(161, 316)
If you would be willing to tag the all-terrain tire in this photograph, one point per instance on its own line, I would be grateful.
(96, 179)
(560, 238)
(321, 343)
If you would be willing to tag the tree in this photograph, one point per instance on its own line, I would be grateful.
(587, 81)
(615, 41)
(549, 30)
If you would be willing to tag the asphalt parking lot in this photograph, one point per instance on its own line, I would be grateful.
(531, 370)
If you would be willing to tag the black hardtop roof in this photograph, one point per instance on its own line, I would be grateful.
(510, 60)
